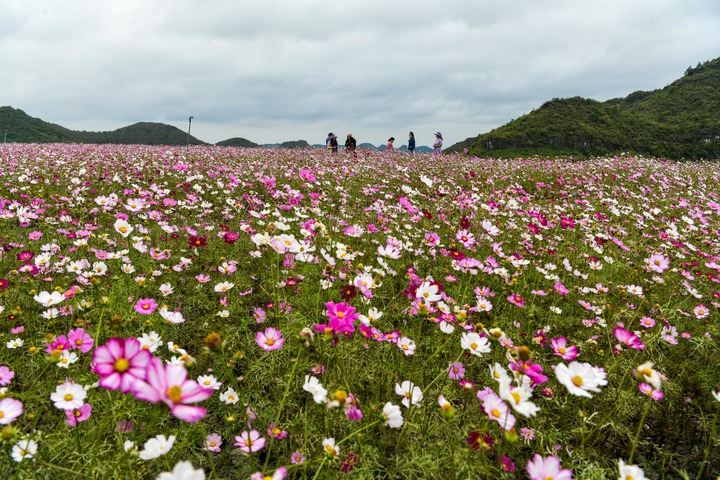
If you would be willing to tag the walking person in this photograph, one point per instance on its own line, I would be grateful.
(333, 143)
(438, 143)
(350, 144)
(411, 143)
(390, 143)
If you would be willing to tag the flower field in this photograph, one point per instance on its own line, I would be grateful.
(251, 313)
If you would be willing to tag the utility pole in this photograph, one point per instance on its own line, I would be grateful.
(187, 146)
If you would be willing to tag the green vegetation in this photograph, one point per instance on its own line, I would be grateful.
(237, 142)
(679, 121)
(22, 128)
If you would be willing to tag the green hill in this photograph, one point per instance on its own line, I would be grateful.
(23, 128)
(679, 121)
(237, 142)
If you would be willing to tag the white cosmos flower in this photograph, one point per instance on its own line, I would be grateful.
(229, 396)
(223, 287)
(157, 446)
(410, 392)
(580, 378)
(314, 387)
(48, 299)
(69, 396)
(393, 415)
(123, 227)
(630, 472)
(24, 449)
(183, 471)
(476, 344)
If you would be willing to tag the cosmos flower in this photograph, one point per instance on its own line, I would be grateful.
(10, 410)
(270, 339)
(580, 378)
(249, 442)
(169, 384)
(547, 468)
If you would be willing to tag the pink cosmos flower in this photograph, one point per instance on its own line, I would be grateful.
(249, 442)
(497, 410)
(647, 322)
(120, 363)
(701, 311)
(6, 375)
(560, 348)
(279, 474)
(10, 409)
(145, 306)
(213, 442)
(79, 339)
(516, 300)
(77, 415)
(276, 433)
(628, 338)
(561, 289)
(169, 384)
(651, 392)
(547, 468)
(342, 318)
(60, 344)
(456, 371)
(270, 339)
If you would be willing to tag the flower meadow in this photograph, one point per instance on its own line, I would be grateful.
(269, 313)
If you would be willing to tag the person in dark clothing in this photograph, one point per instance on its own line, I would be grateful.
(350, 144)
(333, 143)
(411, 143)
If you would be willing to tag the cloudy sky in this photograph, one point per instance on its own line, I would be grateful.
(278, 70)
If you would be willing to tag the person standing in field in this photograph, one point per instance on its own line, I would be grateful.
(390, 143)
(438, 143)
(350, 144)
(327, 140)
(411, 143)
(333, 143)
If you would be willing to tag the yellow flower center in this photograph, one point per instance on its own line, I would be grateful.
(2, 414)
(270, 342)
(516, 396)
(122, 365)
(562, 350)
(646, 372)
(473, 346)
(577, 381)
(174, 393)
(495, 413)
(68, 397)
(123, 229)
(341, 314)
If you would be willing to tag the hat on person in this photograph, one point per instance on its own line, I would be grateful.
(349, 134)
(438, 134)
(332, 135)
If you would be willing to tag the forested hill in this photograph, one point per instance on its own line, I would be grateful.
(18, 126)
(680, 121)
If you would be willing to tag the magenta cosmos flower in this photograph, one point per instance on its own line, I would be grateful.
(169, 384)
(547, 468)
(146, 306)
(120, 363)
(270, 339)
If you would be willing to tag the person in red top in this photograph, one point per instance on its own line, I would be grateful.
(390, 143)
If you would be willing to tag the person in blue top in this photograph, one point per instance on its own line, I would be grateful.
(411, 143)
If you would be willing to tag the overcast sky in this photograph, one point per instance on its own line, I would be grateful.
(272, 71)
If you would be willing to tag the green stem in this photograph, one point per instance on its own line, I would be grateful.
(358, 431)
(282, 405)
(320, 468)
(77, 436)
(639, 429)
(73, 473)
